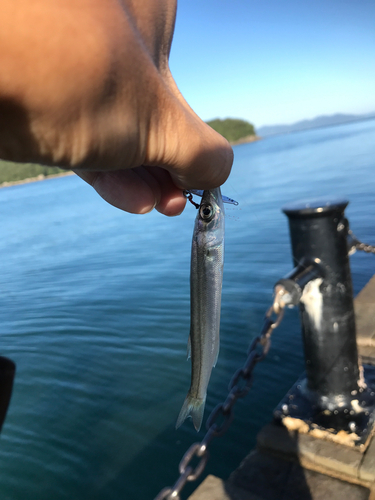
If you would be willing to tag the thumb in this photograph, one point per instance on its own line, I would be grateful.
(194, 154)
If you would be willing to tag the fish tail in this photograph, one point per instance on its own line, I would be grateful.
(194, 408)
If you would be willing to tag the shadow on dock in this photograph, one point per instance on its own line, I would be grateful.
(267, 476)
(277, 470)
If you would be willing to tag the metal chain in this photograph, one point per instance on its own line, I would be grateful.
(239, 386)
(355, 244)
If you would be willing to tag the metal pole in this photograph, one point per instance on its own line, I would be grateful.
(319, 235)
(335, 394)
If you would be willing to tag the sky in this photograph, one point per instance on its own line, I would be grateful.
(275, 61)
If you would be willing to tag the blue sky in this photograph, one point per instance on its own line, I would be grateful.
(275, 61)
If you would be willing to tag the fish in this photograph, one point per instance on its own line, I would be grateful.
(206, 279)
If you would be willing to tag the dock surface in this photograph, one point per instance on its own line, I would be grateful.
(287, 465)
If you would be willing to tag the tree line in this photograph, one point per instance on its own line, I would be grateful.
(11, 172)
(233, 129)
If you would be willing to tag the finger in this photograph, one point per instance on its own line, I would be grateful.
(204, 158)
(131, 190)
(137, 190)
(172, 202)
(195, 155)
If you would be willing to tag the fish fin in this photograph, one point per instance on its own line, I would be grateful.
(194, 408)
(189, 348)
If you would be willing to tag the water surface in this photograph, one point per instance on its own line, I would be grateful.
(95, 313)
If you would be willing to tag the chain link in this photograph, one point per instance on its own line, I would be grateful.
(221, 417)
(355, 244)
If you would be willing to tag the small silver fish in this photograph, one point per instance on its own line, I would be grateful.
(206, 278)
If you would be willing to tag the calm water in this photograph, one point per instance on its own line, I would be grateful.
(95, 312)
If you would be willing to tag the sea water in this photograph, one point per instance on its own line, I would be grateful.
(95, 313)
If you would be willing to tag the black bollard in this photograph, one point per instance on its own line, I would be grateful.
(318, 234)
(333, 394)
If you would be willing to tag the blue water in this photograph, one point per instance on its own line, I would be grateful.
(95, 313)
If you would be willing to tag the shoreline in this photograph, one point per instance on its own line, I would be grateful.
(38, 178)
(245, 140)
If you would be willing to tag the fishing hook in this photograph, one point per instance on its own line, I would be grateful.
(189, 196)
(199, 192)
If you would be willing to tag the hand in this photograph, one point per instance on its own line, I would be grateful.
(86, 85)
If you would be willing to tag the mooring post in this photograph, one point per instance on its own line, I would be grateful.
(319, 235)
(333, 394)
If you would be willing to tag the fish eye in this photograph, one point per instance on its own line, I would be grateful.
(206, 212)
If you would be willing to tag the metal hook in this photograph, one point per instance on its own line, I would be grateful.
(188, 193)
(199, 192)
(189, 196)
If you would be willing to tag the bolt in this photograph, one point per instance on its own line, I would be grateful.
(352, 426)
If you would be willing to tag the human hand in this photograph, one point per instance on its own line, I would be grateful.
(86, 85)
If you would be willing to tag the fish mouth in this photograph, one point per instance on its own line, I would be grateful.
(210, 196)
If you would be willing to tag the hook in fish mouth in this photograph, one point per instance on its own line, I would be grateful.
(188, 193)
(189, 196)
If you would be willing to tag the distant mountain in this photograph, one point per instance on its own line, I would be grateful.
(319, 121)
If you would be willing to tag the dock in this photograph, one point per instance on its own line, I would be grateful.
(289, 465)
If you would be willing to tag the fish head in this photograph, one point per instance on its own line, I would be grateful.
(211, 211)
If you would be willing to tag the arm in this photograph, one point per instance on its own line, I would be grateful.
(85, 84)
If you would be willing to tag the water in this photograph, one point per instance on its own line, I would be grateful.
(95, 312)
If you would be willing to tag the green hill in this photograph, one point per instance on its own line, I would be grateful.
(233, 129)
(11, 172)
